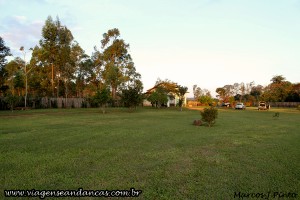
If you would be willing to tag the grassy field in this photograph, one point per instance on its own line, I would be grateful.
(157, 151)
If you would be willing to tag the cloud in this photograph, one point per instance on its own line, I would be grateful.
(18, 31)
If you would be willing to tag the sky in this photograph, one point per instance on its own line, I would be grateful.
(210, 43)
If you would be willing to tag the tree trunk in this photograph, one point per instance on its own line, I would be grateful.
(52, 81)
(113, 94)
(103, 108)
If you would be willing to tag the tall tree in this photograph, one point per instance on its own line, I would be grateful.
(278, 79)
(225, 92)
(84, 70)
(15, 76)
(65, 63)
(256, 91)
(278, 90)
(4, 52)
(294, 95)
(117, 66)
(39, 80)
(49, 47)
(55, 54)
(197, 92)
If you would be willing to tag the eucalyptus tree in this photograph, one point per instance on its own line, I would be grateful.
(39, 80)
(277, 79)
(65, 63)
(49, 47)
(278, 90)
(4, 52)
(256, 91)
(83, 68)
(14, 78)
(114, 63)
(222, 94)
(55, 53)
(197, 92)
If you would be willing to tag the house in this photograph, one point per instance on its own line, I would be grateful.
(171, 91)
(191, 102)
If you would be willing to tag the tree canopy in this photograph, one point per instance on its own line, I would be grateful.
(4, 52)
(62, 69)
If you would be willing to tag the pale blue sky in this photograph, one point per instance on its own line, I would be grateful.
(210, 43)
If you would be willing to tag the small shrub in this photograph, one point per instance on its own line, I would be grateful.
(209, 115)
(298, 107)
(11, 100)
(276, 115)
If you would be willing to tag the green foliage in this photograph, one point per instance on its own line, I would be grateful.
(4, 52)
(221, 93)
(167, 85)
(206, 100)
(11, 100)
(209, 115)
(278, 79)
(278, 90)
(114, 63)
(101, 98)
(131, 97)
(181, 91)
(158, 97)
(56, 56)
(19, 80)
(256, 91)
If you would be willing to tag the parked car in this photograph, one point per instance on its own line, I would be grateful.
(262, 105)
(240, 106)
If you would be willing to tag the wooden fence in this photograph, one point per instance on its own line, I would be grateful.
(284, 104)
(64, 102)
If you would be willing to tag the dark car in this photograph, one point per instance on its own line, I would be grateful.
(225, 105)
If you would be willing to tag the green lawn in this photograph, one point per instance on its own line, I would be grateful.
(157, 151)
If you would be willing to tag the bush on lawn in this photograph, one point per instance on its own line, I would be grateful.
(209, 115)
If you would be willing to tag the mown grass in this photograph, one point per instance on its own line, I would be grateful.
(157, 151)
